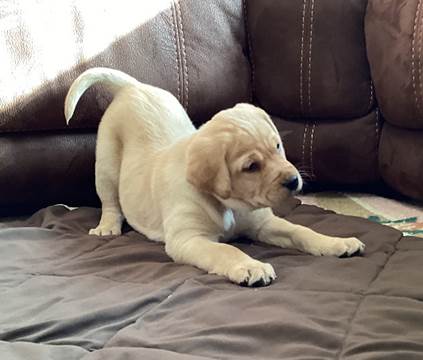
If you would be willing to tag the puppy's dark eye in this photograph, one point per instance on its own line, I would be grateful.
(253, 167)
(278, 146)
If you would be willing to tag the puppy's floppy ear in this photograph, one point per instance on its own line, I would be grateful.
(207, 168)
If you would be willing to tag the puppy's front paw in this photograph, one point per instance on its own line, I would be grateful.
(106, 229)
(110, 224)
(252, 273)
(335, 246)
(353, 247)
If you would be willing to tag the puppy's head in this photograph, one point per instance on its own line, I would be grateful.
(238, 157)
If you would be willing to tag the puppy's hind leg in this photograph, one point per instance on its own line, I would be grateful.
(107, 170)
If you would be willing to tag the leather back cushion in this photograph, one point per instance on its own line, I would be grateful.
(394, 36)
(309, 58)
(310, 71)
(193, 49)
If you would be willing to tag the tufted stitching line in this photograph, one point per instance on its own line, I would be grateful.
(175, 37)
(250, 51)
(302, 58)
(310, 53)
(304, 141)
(413, 56)
(420, 41)
(371, 96)
(377, 127)
(311, 150)
(184, 55)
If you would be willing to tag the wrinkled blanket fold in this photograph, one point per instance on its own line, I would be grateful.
(70, 296)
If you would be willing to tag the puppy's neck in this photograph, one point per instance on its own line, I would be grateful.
(235, 204)
(225, 214)
(230, 207)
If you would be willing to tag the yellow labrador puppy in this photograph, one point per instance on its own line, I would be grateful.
(191, 188)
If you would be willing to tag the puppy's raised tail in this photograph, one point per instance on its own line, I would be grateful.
(114, 79)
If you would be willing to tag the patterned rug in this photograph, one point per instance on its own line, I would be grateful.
(406, 216)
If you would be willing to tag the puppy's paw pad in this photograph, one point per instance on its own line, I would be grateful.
(253, 274)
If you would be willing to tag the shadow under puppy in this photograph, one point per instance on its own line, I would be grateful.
(191, 188)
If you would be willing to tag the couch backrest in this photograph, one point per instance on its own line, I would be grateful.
(195, 49)
(394, 37)
(305, 62)
(310, 72)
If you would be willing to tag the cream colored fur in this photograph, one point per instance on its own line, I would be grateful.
(191, 188)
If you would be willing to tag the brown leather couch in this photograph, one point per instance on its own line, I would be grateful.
(345, 77)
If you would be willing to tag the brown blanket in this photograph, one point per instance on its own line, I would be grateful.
(65, 295)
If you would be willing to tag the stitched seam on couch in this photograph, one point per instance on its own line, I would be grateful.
(310, 54)
(371, 96)
(175, 38)
(304, 142)
(377, 128)
(250, 52)
(413, 56)
(312, 175)
(420, 41)
(184, 54)
(178, 53)
(360, 302)
(302, 57)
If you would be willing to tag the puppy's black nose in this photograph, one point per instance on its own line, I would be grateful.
(291, 183)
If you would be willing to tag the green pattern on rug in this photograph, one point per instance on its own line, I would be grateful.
(404, 216)
(408, 226)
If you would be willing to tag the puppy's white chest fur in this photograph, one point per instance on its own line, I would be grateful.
(229, 224)
(228, 220)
